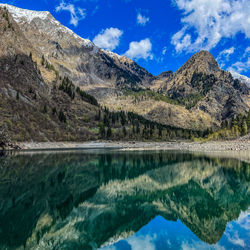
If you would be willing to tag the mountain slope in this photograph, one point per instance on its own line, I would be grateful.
(201, 85)
(198, 96)
(38, 102)
(32, 109)
(79, 58)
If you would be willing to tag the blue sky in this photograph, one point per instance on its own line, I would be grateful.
(159, 35)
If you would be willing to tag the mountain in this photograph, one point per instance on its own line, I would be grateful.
(242, 78)
(201, 85)
(79, 58)
(42, 58)
(199, 94)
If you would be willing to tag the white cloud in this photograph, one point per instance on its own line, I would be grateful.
(142, 242)
(137, 242)
(206, 23)
(244, 218)
(142, 20)
(224, 54)
(108, 39)
(77, 14)
(247, 52)
(241, 66)
(164, 51)
(140, 49)
(180, 41)
(199, 245)
(235, 239)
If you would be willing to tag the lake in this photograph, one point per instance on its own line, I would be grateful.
(110, 199)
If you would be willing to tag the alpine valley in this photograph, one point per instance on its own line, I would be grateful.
(55, 85)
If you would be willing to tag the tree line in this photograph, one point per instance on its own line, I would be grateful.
(128, 125)
(239, 124)
(68, 87)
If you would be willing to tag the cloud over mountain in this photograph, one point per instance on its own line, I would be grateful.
(138, 50)
(76, 13)
(108, 39)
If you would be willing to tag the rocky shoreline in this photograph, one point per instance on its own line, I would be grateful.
(241, 144)
(234, 147)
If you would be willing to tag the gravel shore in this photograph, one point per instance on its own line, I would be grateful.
(241, 144)
(234, 147)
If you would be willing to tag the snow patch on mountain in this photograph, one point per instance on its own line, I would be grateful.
(242, 78)
(24, 16)
(27, 16)
(21, 15)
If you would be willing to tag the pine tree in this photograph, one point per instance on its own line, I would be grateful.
(133, 130)
(124, 131)
(98, 116)
(109, 132)
(4, 139)
(137, 128)
(144, 132)
(248, 119)
(30, 90)
(45, 109)
(102, 131)
(123, 118)
(244, 128)
(54, 111)
(113, 118)
(43, 60)
(106, 120)
(151, 131)
(62, 117)
(160, 132)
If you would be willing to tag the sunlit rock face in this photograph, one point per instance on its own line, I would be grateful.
(84, 201)
(201, 85)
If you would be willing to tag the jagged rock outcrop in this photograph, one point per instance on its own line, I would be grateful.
(201, 85)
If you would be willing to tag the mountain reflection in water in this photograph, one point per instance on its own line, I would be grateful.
(93, 199)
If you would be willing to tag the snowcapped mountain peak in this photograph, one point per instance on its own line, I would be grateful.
(22, 15)
(45, 22)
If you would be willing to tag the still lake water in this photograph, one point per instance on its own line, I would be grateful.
(123, 200)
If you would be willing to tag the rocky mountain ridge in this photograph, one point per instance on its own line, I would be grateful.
(79, 58)
(197, 96)
(201, 85)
